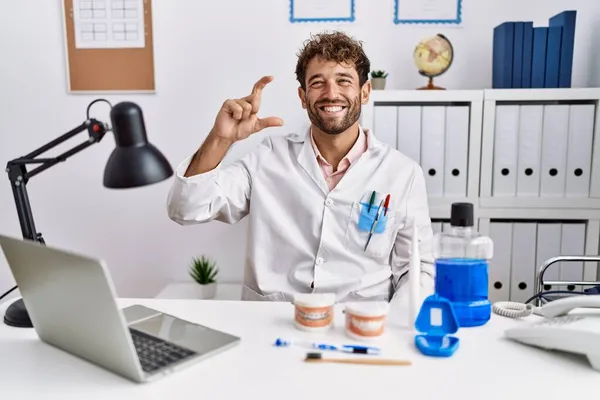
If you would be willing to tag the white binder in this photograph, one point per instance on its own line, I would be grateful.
(456, 151)
(432, 151)
(554, 150)
(504, 179)
(548, 246)
(384, 124)
(523, 267)
(499, 265)
(409, 132)
(579, 150)
(572, 244)
(530, 150)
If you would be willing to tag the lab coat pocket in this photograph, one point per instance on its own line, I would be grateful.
(359, 228)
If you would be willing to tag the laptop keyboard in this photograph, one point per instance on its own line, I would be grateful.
(155, 353)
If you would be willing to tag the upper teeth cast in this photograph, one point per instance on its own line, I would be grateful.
(336, 108)
(367, 326)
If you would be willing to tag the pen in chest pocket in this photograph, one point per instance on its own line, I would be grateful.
(374, 224)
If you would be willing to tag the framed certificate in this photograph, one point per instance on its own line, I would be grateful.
(428, 12)
(322, 10)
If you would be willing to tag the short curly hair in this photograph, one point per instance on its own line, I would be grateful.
(333, 46)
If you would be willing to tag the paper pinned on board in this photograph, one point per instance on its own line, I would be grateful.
(428, 11)
(321, 10)
(109, 24)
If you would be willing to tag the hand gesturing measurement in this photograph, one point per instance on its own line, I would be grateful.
(238, 118)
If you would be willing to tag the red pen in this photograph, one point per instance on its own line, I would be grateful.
(387, 203)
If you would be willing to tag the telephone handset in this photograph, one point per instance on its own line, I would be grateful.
(564, 306)
(570, 324)
(552, 309)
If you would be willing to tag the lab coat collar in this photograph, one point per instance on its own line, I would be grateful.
(308, 159)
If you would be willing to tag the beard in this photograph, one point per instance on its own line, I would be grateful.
(335, 124)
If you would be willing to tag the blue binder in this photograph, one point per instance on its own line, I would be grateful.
(553, 56)
(502, 63)
(517, 73)
(527, 54)
(565, 20)
(538, 61)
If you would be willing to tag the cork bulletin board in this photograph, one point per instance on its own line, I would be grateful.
(109, 45)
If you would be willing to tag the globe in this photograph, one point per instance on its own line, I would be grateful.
(433, 56)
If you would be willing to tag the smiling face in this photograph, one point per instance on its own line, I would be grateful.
(333, 95)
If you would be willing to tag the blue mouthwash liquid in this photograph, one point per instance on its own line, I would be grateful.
(461, 261)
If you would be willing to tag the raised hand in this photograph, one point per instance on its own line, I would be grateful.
(237, 119)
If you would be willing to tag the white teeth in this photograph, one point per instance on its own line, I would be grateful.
(333, 109)
(367, 326)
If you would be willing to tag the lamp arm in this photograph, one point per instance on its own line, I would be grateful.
(19, 176)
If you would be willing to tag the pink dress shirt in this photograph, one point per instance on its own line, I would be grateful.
(332, 178)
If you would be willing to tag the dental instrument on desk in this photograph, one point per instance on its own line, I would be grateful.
(318, 357)
(414, 279)
(346, 348)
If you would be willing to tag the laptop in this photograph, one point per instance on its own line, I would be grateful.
(72, 304)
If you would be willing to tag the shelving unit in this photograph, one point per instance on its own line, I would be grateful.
(531, 169)
(458, 112)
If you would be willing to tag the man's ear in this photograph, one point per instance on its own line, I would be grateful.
(365, 92)
(302, 96)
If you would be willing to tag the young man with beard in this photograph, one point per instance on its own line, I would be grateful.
(309, 197)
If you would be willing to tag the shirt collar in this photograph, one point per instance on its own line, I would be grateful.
(359, 147)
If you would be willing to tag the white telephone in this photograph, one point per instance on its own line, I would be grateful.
(571, 324)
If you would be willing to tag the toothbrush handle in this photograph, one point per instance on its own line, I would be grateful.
(375, 361)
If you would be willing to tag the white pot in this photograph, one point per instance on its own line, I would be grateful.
(378, 83)
(204, 291)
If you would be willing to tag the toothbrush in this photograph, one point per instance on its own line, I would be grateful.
(414, 278)
(347, 348)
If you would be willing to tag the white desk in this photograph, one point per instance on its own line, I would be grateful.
(185, 290)
(484, 367)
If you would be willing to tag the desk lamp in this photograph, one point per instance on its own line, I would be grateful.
(134, 162)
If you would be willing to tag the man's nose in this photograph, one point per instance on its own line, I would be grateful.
(331, 91)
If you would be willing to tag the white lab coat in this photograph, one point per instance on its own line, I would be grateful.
(300, 233)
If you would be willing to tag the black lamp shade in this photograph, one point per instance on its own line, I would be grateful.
(134, 162)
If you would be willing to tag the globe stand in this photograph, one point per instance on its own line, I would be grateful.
(431, 86)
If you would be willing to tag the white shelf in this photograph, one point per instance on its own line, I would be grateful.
(483, 171)
(537, 214)
(528, 95)
(543, 203)
(425, 96)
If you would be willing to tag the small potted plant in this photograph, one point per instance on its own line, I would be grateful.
(204, 271)
(378, 79)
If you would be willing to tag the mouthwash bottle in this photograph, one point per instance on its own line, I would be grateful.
(461, 261)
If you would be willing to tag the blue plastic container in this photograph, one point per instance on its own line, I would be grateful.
(437, 322)
(461, 261)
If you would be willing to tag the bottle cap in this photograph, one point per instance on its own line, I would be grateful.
(461, 214)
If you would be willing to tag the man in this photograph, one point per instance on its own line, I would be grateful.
(309, 197)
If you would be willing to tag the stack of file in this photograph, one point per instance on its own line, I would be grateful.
(521, 247)
(543, 151)
(436, 137)
(525, 56)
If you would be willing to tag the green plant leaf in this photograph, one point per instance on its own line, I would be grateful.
(203, 270)
(379, 74)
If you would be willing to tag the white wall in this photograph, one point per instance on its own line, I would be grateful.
(206, 51)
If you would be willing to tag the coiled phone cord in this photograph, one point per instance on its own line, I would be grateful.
(512, 309)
